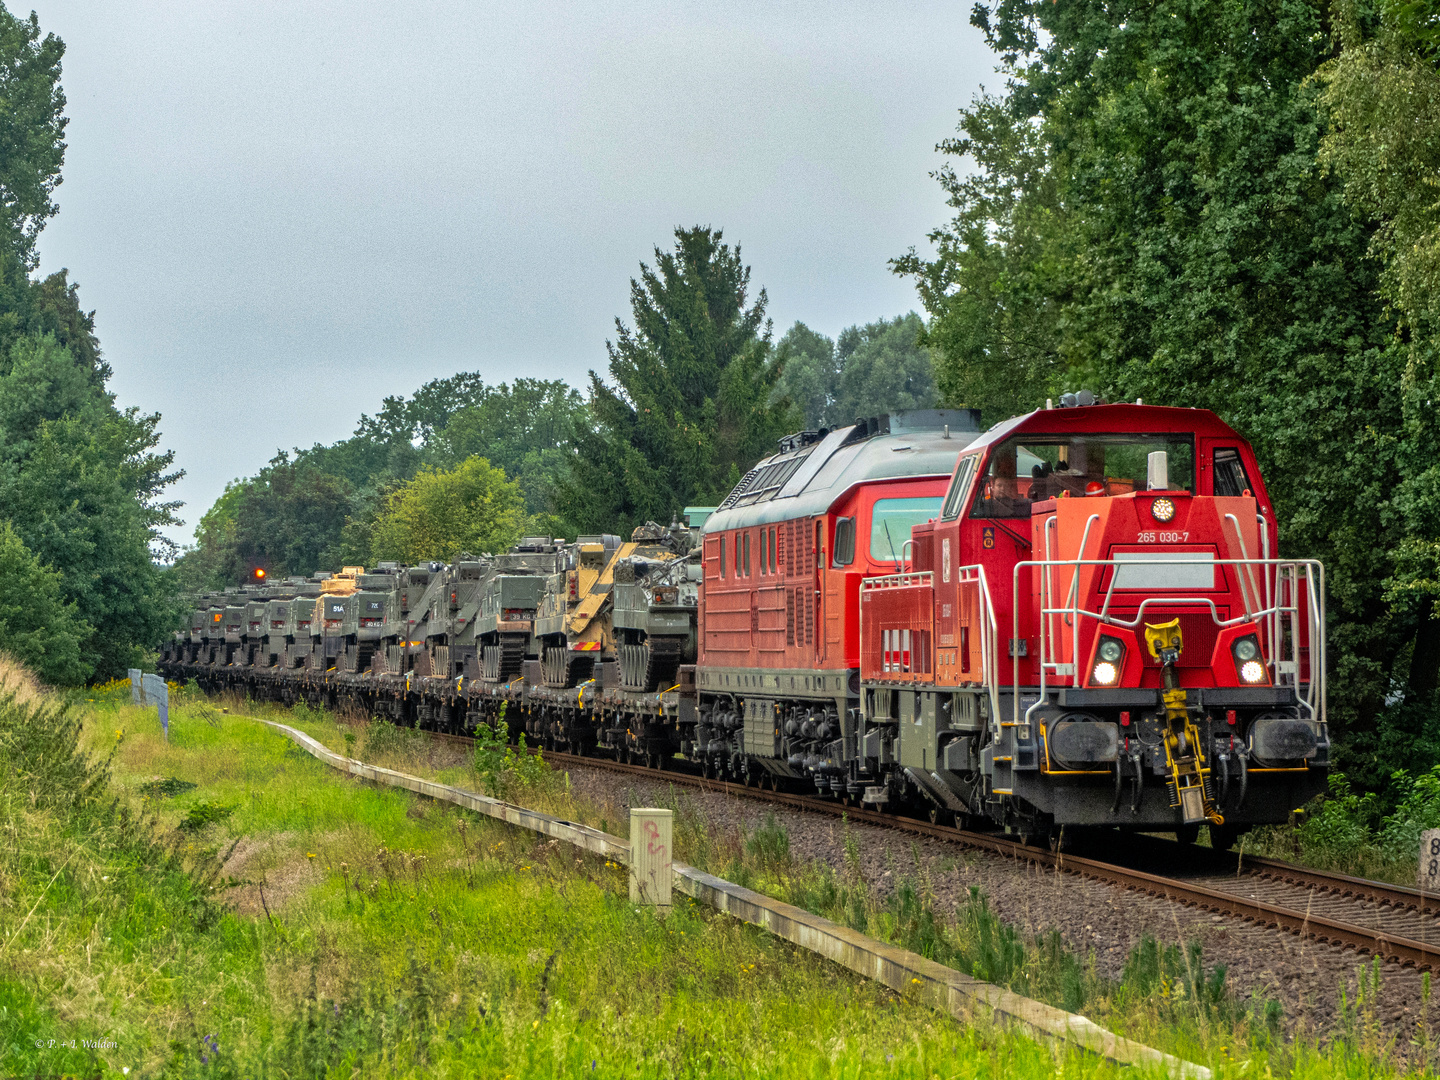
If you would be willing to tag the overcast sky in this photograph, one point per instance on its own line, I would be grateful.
(283, 212)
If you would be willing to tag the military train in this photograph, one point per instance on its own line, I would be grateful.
(1078, 617)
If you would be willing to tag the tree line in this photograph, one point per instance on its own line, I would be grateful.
(698, 391)
(1237, 206)
(82, 589)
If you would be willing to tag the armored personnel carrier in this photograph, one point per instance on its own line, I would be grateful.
(657, 593)
(505, 623)
(570, 635)
(296, 592)
(403, 633)
(450, 630)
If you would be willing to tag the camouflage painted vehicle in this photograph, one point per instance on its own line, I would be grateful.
(504, 625)
(570, 634)
(450, 629)
(280, 621)
(406, 618)
(656, 596)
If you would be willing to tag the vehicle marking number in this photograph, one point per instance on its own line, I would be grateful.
(1153, 536)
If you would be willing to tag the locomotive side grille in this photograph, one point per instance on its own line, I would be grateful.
(790, 617)
(809, 617)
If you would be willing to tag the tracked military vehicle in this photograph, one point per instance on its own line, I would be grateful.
(657, 595)
(570, 634)
(505, 623)
(454, 605)
(403, 634)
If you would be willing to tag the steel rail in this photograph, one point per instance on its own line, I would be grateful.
(1405, 951)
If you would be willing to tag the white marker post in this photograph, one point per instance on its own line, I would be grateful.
(1429, 876)
(651, 877)
(158, 694)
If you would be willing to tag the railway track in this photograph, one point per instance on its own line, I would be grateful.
(1399, 924)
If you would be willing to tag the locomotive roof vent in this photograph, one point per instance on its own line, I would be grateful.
(790, 443)
(912, 420)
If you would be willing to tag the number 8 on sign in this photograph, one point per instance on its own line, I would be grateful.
(1429, 870)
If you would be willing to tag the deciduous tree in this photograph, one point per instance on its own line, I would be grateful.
(441, 514)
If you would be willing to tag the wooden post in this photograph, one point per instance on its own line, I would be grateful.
(651, 877)
(1430, 861)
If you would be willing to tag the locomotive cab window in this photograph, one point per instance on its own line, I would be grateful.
(955, 498)
(1230, 479)
(844, 542)
(890, 523)
(1025, 471)
(746, 544)
(722, 556)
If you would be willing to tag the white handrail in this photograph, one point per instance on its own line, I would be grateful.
(1286, 570)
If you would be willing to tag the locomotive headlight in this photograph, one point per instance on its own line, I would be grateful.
(1162, 510)
(1105, 673)
(1111, 650)
(1247, 648)
(1252, 671)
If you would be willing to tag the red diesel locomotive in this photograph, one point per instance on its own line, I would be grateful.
(1083, 622)
(1077, 618)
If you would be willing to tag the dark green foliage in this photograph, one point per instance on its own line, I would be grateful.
(31, 129)
(1150, 219)
(525, 428)
(167, 788)
(811, 377)
(871, 369)
(38, 627)
(203, 813)
(82, 486)
(1382, 96)
(287, 519)
(690, 409)
(80, 482)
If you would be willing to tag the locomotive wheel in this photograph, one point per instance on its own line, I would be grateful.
(1187, 834)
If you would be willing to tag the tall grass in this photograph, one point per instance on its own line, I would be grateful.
(357, 930)
(1365, 834)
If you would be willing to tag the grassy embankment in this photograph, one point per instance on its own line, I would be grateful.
(372, 930)
(367, 929)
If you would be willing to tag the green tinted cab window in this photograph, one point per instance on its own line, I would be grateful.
(890, 523)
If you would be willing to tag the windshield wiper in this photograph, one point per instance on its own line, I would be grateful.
(891, 542)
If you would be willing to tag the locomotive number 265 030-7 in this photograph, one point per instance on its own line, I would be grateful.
(1154, 537)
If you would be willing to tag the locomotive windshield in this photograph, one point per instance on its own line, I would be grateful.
(1030, 470)
(890, 523)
